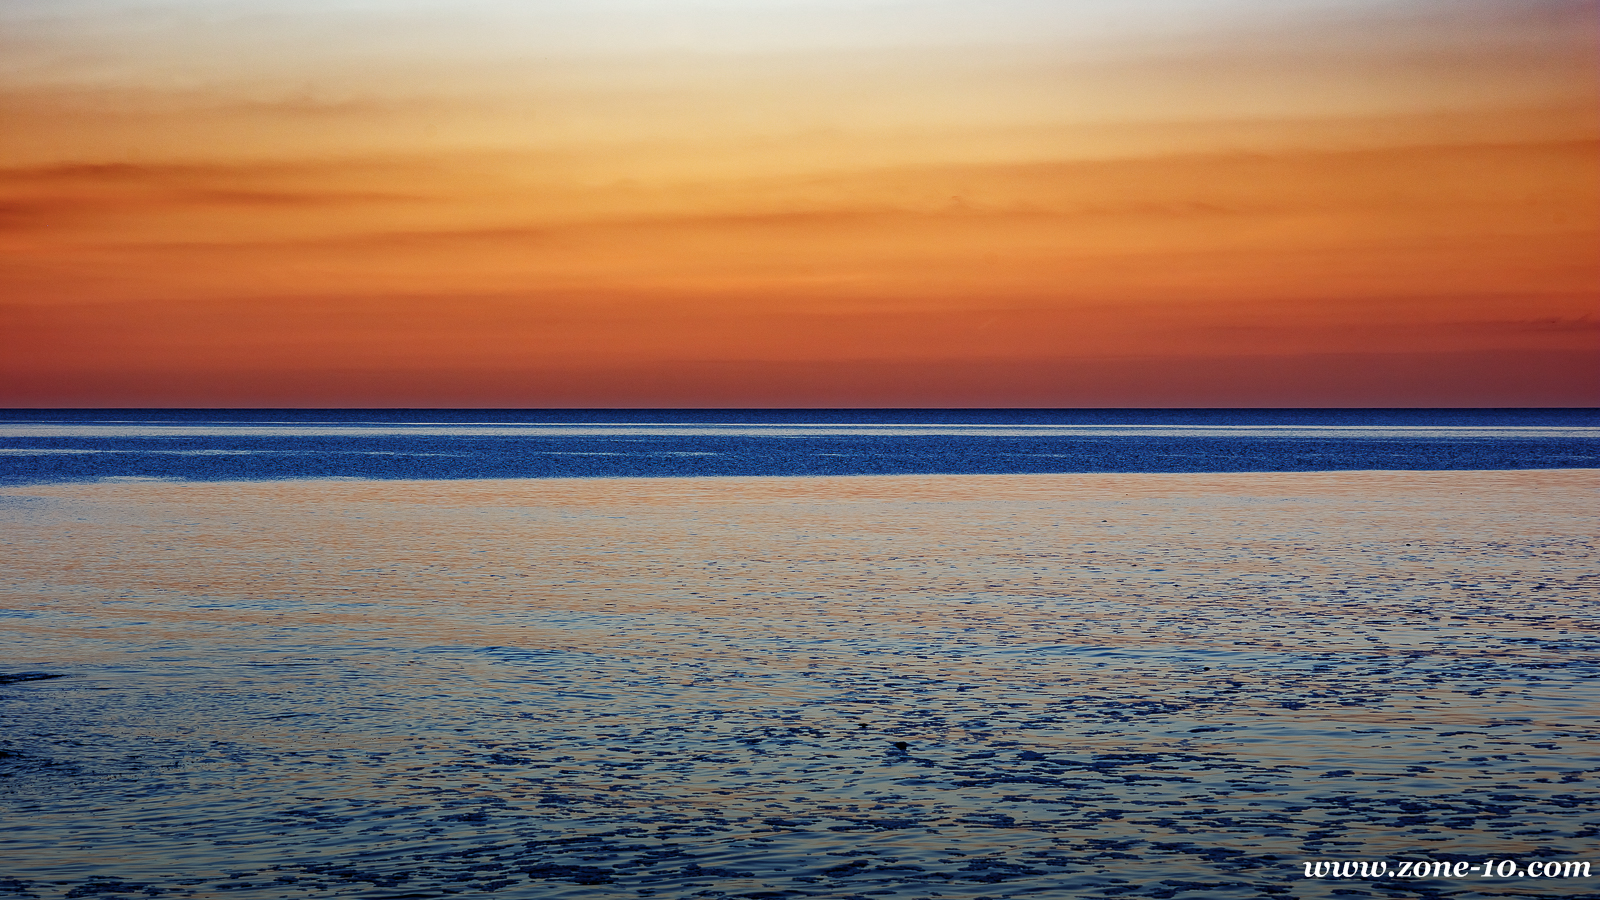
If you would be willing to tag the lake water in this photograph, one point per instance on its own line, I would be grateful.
(1107, 684)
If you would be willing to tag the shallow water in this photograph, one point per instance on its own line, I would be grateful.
(1145, 685)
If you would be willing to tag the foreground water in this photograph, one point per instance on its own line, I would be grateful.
(1140, 685)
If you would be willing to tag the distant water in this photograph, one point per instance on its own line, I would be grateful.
(222, 445)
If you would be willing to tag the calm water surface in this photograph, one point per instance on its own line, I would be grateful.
(40, 446)
(1107, 685)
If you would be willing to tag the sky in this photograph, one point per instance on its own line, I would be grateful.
(799, 203)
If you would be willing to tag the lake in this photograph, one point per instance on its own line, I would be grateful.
(973, 654)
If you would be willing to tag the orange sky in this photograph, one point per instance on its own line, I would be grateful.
(800, 203)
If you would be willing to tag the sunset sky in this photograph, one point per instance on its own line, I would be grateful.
(663, 203)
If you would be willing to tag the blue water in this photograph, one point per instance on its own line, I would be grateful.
(41, 446)
(385, 654)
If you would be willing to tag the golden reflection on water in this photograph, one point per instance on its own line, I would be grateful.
(783, 556)
(1272, 663)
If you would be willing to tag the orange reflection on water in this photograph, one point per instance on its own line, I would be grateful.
(1141, 558)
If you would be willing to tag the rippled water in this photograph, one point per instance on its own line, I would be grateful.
(1109, 685)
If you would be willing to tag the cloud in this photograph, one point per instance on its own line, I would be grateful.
(50, 197)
